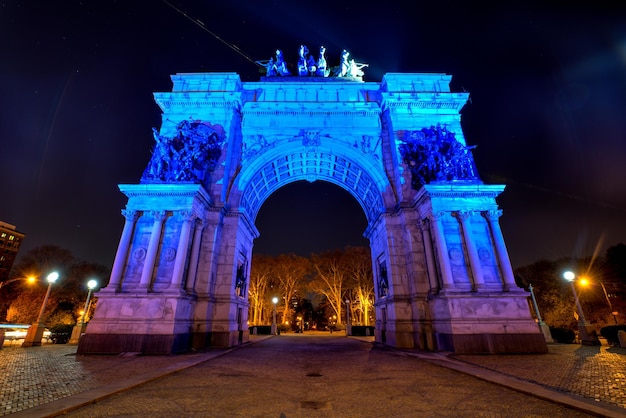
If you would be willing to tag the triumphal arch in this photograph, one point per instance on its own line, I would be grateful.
(443, 279)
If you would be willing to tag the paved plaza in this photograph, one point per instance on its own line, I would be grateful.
(320, 374)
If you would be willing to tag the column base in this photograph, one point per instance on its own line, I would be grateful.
(34, 335)
(545, 330)
(134, 343)
(78, 330)
(492, 343)
(587, 334)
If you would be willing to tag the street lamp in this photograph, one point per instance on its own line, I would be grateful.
(608, 300)
(35, 331)
(91, 284)
(348, 324)
(274, 301)
(585, 282)
(29, 279)
(79, 328)
(545, 330)
(585, 331)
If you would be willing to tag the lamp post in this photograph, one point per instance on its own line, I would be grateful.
(585, 282)
(545, 330)
(586, 332)
(91, 284)
(274, 301)
(29, 279)
(606, 295)
(79, 328)
(35, 331)
(348, 324)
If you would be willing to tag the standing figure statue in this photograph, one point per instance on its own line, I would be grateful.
(270, 68)
(302, 62)
(356, 69)
(344, 68)
(322, 67)
(269, 65)
(280, 65)
(349, 67)
(312, 65)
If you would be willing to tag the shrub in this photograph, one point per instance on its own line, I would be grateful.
(261, 329)
(610, 333)
(360, 330)
(60, 334)
(563, 335)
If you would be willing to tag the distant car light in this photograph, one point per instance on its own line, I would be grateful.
(14, 334)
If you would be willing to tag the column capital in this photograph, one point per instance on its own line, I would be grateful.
(463, 215)
(437, 215)
(159, 215)
(130, 215)
(187, 215)
(492, 215)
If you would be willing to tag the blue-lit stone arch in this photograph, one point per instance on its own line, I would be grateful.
(180, 272)
(279, 167)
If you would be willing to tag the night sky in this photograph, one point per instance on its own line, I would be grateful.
(547, 112)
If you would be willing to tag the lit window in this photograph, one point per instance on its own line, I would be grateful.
(4, 234)
(11, 237)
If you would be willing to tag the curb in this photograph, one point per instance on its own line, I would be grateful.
(569, 400)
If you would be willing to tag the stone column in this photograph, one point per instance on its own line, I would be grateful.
(153, 247)
(477, 271)
(181, 251)
(442, 250)
(122, 250)
(503, 255)
(195, 254)
(431, 265)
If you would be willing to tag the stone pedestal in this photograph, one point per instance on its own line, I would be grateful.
(34, 335)
(587, 334)
(545, 330)
(77, 331)
(142, 323)
(489, 324)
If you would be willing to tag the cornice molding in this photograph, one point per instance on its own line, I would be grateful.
(424, 104)
(314, 113)
(151, 190)
(222, 104)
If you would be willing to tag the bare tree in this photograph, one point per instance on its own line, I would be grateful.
(329, 282)
(358, 265)
(290, 271)
(260, 277)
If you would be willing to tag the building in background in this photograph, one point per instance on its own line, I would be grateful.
(10, 241)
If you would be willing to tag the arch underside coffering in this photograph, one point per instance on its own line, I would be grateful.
(312, 165)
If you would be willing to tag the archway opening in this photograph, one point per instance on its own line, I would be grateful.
(303, 225)
(304, 218)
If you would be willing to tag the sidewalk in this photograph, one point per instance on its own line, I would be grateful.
(48, 380)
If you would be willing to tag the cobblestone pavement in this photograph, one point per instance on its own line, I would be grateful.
(38, 375)
(51, 377)
(592, 372)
